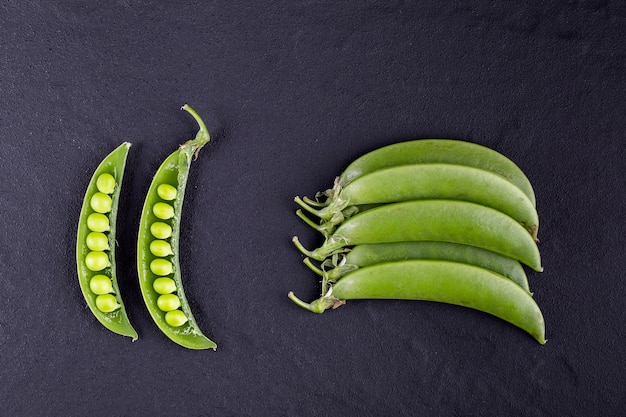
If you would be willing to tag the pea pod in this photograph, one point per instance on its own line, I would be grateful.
(371, 254)
(95, 244)
(158, 246)
(430, 181)
(433, 220)
(445, 151)
(440, 281)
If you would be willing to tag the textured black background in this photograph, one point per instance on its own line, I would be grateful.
(292, 91)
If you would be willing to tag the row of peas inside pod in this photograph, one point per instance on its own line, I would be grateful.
(158, 265)
(433, 219)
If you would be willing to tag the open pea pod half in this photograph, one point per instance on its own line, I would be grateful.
(95, 244)
(158, 255)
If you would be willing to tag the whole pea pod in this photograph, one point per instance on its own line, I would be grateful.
(439, 281)
(158, 263)
(433, 220)
(430, 181)
(371, 254)
(429, 151)
(95, 244)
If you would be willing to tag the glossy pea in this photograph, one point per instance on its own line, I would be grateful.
(164, 285)
(434, 220)
(97, 261)
(97, 241)
(98, 222)
(161, 230)
(168, 302)
(101, 203)
(107, 303)
(101, 284)
(106, 183)
(167, 192)
(91, 242)
(157, 290)
(163, 210)
(160, 248)
(161, 267)
(176, 318)
(440, 281)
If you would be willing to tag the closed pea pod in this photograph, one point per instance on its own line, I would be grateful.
(95, 235)
(433, 220)
(430, 181)
(158, 263)
(371, 254)
(440, 281)
(429, 151)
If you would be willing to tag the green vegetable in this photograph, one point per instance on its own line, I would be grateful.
(162, 221)
(425, 182)
(161, 230)
(161, 248)
(441, 281)
(371, 254)
(436, 151)
(96, 234)
(98, 222)
(433, 220)
(97, 241)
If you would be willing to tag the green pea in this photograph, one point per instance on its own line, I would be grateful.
(100, 284)
(98, 222)
(161, 230)
(97, 241)
(101, 203)
(176, 318)
(164, 285)
(160, 248)
(96, 261)
(161, 267)
(168, 302)
(163, 211)
(106, 183)
(107, 303)
(167, 192)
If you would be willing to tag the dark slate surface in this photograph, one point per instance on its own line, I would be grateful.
(292, 91)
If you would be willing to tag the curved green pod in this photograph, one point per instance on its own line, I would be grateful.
(445, 151)
(439, 281)
(430, 181)
(433, 220)
(95, 250)
(362, 256)
(160, 222)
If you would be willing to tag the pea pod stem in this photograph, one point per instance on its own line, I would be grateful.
(202, 137)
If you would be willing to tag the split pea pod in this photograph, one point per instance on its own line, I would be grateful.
(439, 281)
(371, 254)
(158, 246)
(431, 181)
(433, 220)
(444, 151)
(95, 244)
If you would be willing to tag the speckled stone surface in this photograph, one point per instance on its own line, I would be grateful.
(292, 91)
